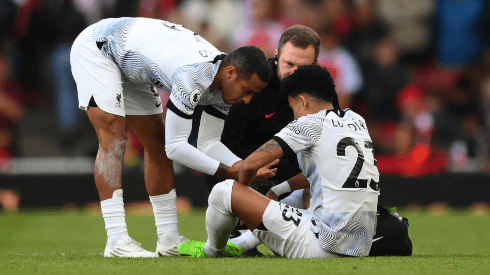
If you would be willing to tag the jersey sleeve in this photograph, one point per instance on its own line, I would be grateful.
(300, 134)
(177, 147)
(189, 85)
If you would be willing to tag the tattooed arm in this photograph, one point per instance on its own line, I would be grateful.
(262, 158)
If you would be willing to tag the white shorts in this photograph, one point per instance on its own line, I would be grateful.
(288, 232)
(100, 78)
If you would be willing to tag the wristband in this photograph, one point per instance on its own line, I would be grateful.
(281, 188)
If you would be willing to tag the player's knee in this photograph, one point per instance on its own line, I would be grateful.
(112, 140)
(220, 196)
(116, 132)
(114, 152)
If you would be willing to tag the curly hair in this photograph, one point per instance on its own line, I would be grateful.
(313, 80)
(249, 60)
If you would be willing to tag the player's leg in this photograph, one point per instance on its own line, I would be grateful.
(99, 89)
(282, 228)
(236, 200)
(220, 221)
(226, 201)
(241, 235)
(144, 115)
(111, 132)
(159, 172)
(249, 242)
(249, 205)
(159, 179)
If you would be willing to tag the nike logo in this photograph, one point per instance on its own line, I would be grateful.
(377, 239)
(268, 116)
(158, 104)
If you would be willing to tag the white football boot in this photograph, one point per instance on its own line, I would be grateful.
(171, 250)
(129, 248)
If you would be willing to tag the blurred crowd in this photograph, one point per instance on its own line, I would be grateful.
(417, 70)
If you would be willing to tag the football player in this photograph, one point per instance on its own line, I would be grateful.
(336, 157)
(117, 65)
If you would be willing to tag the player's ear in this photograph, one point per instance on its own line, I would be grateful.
(276, 52)
(304, 101)
(231, 73)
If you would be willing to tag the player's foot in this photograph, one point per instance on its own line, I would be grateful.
(127, 247)
(193, 249)
(237, 232)
(196, 249)
(171, 250)
(232, 250)
(253, 253)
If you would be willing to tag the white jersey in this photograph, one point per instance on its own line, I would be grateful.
(165, 55)
(336, 155)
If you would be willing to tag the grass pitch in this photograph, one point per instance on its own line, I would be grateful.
(71, 242)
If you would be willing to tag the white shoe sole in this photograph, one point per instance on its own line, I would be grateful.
(171, 250)
(118, 252)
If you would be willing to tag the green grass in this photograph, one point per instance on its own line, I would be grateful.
(57, 242)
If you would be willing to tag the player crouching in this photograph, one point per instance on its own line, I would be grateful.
(336, 156)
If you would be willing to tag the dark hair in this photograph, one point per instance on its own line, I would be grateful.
(249, 60)
(313, 80)
(300, 36)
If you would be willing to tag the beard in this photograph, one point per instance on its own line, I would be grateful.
(278, 72)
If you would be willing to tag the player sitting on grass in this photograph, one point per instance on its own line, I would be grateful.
(335, 154)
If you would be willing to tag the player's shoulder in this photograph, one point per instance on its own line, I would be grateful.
(321, 115)
(353, 115)
(191, 82)
(197, 71)
(344, 114)
(347, 120)
(312, 120)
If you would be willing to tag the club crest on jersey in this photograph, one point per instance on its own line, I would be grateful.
(195, 97)
(118, 103)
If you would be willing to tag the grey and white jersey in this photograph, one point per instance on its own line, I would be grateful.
(336, 155)
(165, 55)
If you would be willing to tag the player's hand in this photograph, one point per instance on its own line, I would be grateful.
(266, 172)
(271, 195)
(231, 172)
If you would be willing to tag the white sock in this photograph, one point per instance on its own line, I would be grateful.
(114, 218)
(220, 220)
(247, 241)
(166, 219)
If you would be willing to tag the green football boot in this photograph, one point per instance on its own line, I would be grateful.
(196, 249)
(232, 250)
(193, 249)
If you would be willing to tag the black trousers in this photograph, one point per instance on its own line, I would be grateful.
(391, 237)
